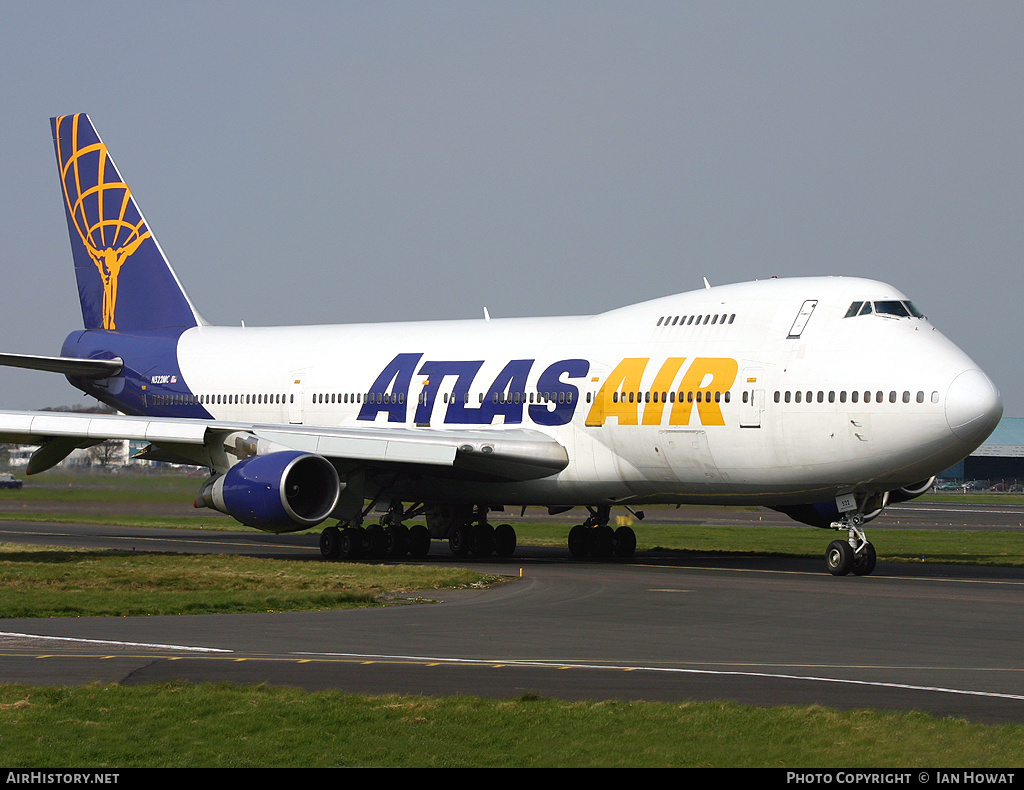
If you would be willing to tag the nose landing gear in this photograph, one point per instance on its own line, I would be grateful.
(855, 555)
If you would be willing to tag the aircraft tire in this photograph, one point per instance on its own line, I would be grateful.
(330, 543)
(579, 543)
(625, 542)
(602, 542)
(397, 540)
(351, 543)
(504, 540)
(459, 540)
(481, 540)
(839, 557)
(419, 541)
(375, 543)
(864, 563)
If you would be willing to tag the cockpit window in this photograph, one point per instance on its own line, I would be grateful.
(892, 308)
(889, 307)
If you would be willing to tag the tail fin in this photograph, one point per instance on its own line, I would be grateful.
(124, 281)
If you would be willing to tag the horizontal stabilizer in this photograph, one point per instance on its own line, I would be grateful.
(69, 366)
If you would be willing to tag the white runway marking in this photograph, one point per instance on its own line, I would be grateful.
(677, 670)
(119, 644)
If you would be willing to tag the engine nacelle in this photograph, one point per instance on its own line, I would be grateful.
(910, 492)
(824, 514)
(284, 491)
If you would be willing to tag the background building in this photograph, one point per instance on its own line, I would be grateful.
(999, 461)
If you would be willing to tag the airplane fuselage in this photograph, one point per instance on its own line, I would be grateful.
(765, 392)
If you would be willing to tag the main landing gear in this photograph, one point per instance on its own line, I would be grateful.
(467, 531)
(855, 555)
(480, 539)
(377, 541)
(595, 538)
(389, 539)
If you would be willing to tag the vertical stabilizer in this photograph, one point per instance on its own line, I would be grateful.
(124, 281)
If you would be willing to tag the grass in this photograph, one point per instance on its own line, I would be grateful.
(196, 725)
(220, 726)
(44, 582)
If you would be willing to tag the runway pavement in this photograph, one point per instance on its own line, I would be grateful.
(761, 631)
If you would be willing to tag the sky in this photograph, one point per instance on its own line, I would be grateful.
(335, 162)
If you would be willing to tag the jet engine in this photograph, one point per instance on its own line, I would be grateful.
(284, 491)
(912, 491)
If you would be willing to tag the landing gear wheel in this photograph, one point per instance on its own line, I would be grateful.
(625, 542)
(351, 543)
(579, 542)
(504, 540)
(396, 540)
(481, 540)
(459, 541)
(376, 541)
(839, 557)
(864, 563)
(602, 541)
(330, 543)
(419, 541)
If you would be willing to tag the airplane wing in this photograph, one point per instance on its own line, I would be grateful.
(513, 454)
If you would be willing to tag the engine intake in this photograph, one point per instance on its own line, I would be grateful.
(281, 492)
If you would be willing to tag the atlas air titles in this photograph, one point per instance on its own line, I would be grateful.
(679, 388)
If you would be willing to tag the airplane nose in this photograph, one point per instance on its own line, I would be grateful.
(973, 406)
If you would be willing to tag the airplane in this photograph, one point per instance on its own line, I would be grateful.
(824, 398)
